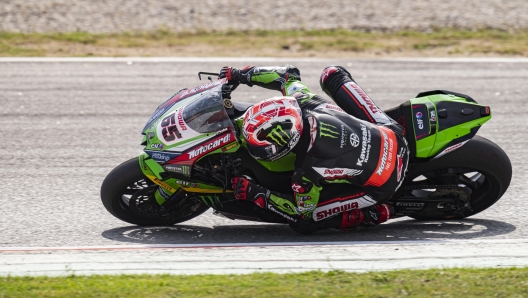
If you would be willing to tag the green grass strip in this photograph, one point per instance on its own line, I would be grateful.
(504, 282)
(322, 43)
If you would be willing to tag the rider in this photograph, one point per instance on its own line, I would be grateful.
(350, 158)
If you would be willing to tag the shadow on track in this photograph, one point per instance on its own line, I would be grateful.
(396, 231)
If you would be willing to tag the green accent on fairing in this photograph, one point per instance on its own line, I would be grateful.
(276, 135)
(159, 198)
(310, 204)
(265, 77)
(434, 144)
(283, 204)
(210, 201)
(154, 167)
(283, 164)
(151, 170)
(325, 131)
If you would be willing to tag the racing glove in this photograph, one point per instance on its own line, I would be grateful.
(246, 189)
(236, 76)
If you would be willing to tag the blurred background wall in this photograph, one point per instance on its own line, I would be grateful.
(105, 16)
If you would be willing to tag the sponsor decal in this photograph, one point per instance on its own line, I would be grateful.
(450, 149)
(328, 130)
(399, 158)
(182, 124)
(295, 87)
(432, 114)
(337, 173)
(169, 130)
(279, 136)
(186, 183)
(302, 206)
(386, 158)
(354, 139)
(195, 90)
(156, 146)
(344, 134)
(294, 140)
(163, 193)
(313, 131)
(297, 188)
(342, 205)
(229, 147)
(386, 162)
(327, 106)
(365, 145)
(161, 156)
(407, 204)
(371, 110)
(163, 184)
(302, 199)
(185, 170)
(419, 120)
(222, 140)
(270, 207)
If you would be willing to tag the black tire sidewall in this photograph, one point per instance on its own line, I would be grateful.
(481, 155)
(117, 181)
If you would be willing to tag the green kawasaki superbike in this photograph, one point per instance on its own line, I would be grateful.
(193, 147)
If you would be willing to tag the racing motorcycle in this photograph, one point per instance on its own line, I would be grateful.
(193, 147)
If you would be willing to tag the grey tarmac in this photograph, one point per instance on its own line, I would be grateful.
(65, 124)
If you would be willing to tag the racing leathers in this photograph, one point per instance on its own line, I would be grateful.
(350, 160)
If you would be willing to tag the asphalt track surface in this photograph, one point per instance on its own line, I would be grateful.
(65, 123)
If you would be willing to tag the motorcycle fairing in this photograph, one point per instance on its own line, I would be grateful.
(192, 125)
(442, 120)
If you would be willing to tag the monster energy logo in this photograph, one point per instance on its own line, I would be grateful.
(325, 130)
(210, 200)
(278, 135)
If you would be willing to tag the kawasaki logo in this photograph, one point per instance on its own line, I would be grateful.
(208, 147)
(278, 135)
(326, 130)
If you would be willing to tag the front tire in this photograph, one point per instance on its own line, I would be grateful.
(480, 166)
(122, 183)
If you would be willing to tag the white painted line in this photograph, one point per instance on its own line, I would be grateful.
(369, 256)
(260, 244)
(256, 59)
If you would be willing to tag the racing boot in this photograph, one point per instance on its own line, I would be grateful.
(366, 217)
(332, 78)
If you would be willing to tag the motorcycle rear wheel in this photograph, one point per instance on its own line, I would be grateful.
(480, 166)
(122, 183)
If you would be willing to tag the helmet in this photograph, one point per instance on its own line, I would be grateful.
(272, 128)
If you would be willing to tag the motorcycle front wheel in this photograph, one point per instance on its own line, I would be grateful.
(126, 184)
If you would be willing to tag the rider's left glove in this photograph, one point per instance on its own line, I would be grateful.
(232, 75)
(247, 190)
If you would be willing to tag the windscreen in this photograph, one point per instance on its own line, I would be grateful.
(207, 113)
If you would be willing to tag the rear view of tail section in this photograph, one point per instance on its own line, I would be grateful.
(438, 122)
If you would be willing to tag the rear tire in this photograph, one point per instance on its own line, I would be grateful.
(125, 180)
(480, 165)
